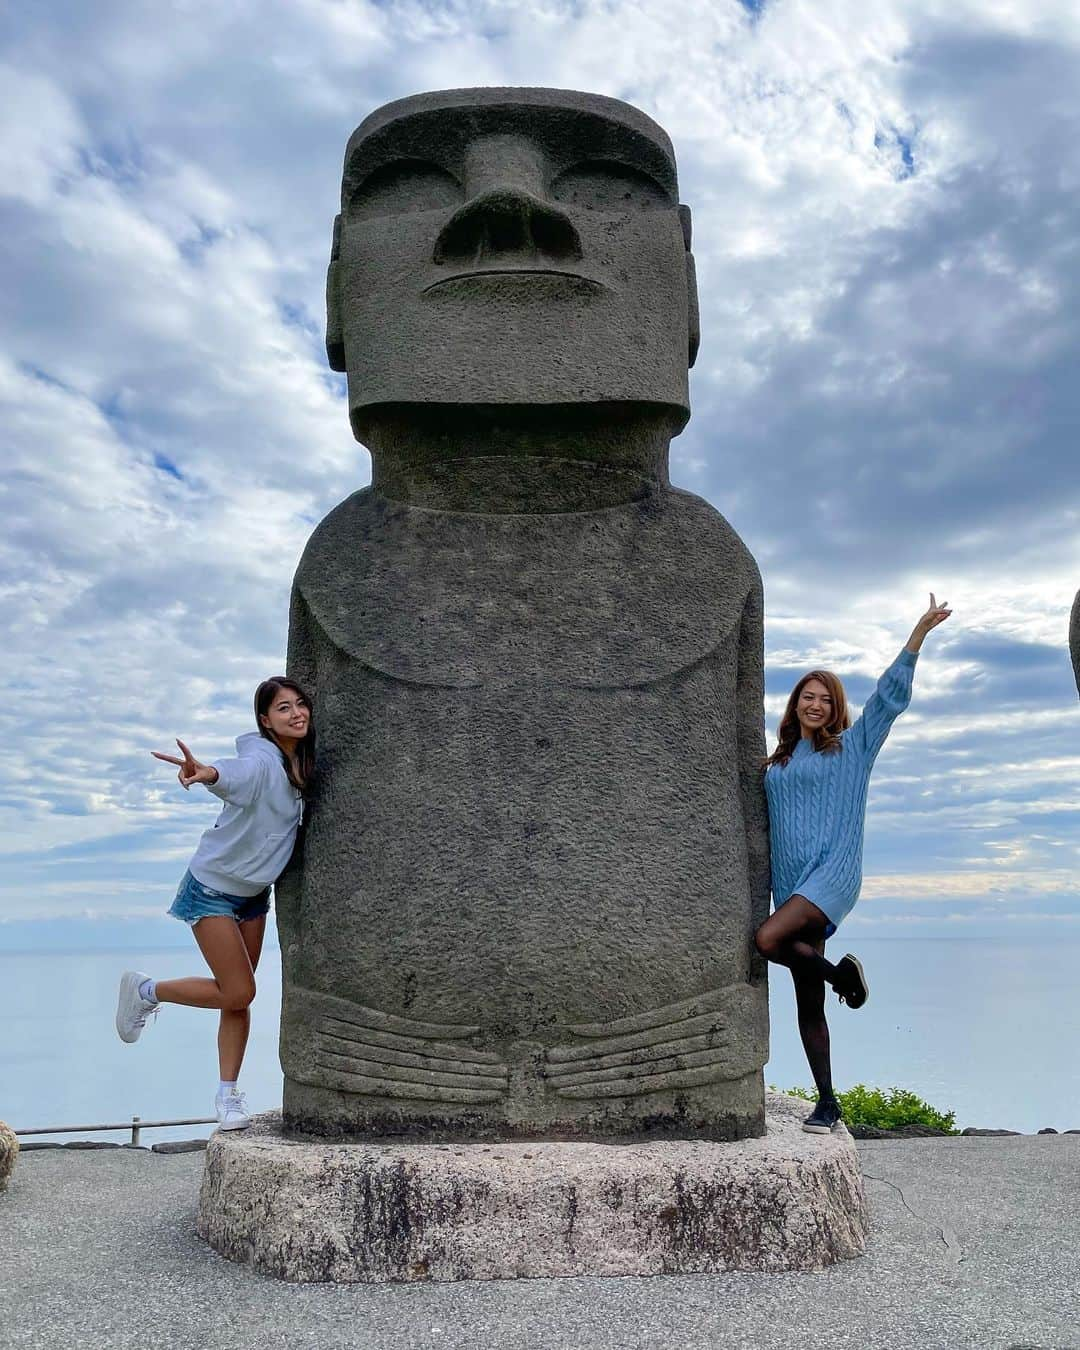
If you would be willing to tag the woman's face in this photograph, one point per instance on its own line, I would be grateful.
(814, 707)
(288, 716)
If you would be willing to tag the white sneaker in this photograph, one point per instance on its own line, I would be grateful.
(132, 1012)
(232, 1112)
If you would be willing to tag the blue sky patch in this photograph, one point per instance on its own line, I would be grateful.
(166, 465)
(894, 143)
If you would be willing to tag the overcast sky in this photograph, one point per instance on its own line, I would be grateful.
(886, 197)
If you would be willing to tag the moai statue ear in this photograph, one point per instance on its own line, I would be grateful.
(335, 338)
(692, 312)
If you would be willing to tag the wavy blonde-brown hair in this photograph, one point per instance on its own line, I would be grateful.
(826, 739)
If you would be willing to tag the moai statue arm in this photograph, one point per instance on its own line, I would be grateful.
(750, 697)
(1074, 639)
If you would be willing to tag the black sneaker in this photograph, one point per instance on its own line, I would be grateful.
(824, 1117)
(850, 985)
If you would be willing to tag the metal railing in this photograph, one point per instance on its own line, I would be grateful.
(135, 1125)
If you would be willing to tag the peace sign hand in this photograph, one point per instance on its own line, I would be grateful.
(934, 615)
(191, 770)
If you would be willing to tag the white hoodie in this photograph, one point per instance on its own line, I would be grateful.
(250, 843)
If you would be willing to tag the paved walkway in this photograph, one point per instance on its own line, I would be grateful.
(976, 1243)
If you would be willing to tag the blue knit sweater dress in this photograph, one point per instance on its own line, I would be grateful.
(817, 804)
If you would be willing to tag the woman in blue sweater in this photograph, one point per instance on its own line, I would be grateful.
(816, 782)
(225, 893)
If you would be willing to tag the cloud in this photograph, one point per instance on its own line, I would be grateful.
(885, 202)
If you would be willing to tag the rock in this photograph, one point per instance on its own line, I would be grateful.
(182, 1145)
(35, 1144)
(344, 1213)
(9, 1151)
(87, 1144)
(1049, 1130)
(869, 1132)
(988, 1134)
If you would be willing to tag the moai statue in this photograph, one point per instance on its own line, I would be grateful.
(1074, 639)
(538, 847)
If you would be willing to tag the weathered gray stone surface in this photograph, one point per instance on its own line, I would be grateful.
(390, 1212)
(537, 850)
(1074, 639)
(9, 1151)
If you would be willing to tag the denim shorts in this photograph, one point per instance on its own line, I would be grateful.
(194, 901)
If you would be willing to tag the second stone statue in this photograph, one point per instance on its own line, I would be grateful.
(537, 850)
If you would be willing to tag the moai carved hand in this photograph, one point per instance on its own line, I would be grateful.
(538, 848)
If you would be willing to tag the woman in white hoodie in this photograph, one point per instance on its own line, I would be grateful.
(225, 893)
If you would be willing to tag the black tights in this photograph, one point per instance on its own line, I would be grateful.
(797, 940)
(814, 1030)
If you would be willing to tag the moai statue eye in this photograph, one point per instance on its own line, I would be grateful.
(403, 187)
(604, 185)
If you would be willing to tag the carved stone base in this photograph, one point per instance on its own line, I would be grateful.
(381, 1212)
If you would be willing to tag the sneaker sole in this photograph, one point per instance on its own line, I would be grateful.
(819, 1129)
(129, 989)
(244, 1126)
(862, 978)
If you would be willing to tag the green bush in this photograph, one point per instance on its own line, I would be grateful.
(885, 1110)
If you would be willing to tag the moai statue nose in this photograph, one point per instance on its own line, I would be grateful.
(506, 212)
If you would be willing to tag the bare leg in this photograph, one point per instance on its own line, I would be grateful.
(236, 1022)
(793, 937)
(231, 990)
(813, 1028)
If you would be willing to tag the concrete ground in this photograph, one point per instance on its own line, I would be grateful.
(976, 1242)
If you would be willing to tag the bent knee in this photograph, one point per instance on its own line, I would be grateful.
(766, 945)
(237, 998)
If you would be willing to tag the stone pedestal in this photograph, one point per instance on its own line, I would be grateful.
(383, 1212)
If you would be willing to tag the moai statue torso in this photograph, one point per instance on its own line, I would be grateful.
(537, 850)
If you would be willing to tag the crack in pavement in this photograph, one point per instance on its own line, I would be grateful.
(948, 1237)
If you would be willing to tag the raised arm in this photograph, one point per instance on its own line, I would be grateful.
(239, 781)
(893, 692)
(233, 780)
(750, 731)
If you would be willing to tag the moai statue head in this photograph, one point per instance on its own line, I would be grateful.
(511, 276)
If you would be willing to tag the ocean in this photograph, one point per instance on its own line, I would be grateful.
(987, 1027)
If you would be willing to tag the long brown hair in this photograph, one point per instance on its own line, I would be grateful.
(827, 738)
(302, 770)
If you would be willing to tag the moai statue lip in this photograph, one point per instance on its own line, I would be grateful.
(538, 849)
(511, 247)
